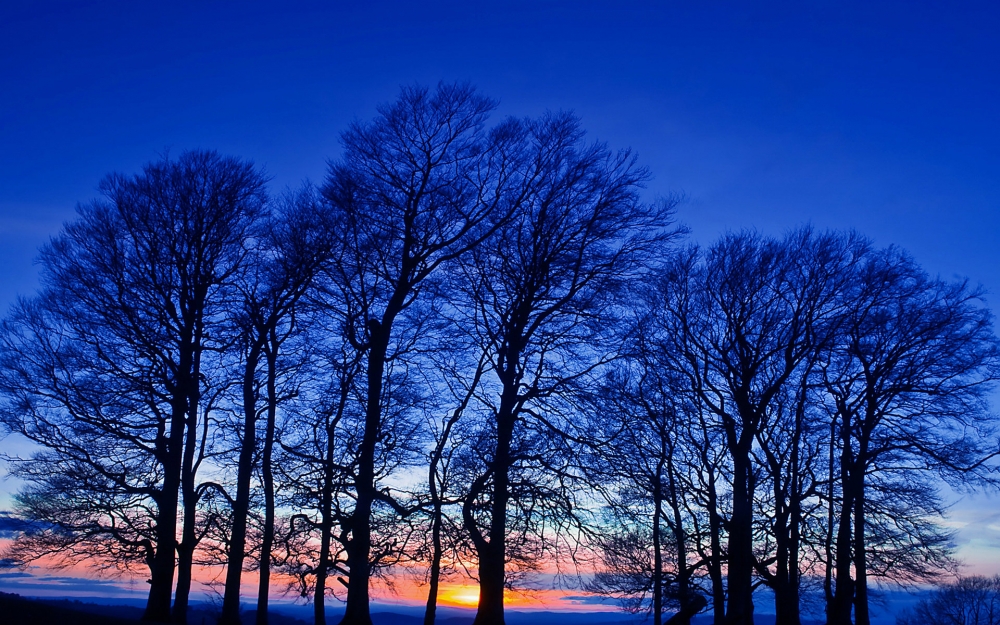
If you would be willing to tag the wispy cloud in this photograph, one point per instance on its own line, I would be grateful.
(588, 600)
(45, 585)
(11, 526)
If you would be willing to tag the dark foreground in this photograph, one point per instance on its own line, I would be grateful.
(17, 610)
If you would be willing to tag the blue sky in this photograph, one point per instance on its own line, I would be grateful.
(878, 116)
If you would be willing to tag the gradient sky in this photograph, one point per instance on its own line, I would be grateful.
(878, 116)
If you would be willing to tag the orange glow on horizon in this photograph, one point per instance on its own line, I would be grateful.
(463, 596)
(404, 591)
(467, 596)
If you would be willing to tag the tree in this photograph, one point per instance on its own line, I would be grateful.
(291, 251)
(416, 187)
(540, 302)
(106, 369)
(908, 385)
(474, 348)
(448, 443)
(644, 466)
(743, 325)
(968, 601)
(317, 457)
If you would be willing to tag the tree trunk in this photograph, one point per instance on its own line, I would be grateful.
(323, 566)
(779, 583)
(162, 570)
(241, 506)
(185, 550)
(491, 585)
(830, 516)
(689, 603)
(715, 560)
(657, 553)
(359, 548)
(435, 573)
(326, 529)
(267, 474)
(185, 559)
(326, 506)
(740, 575)
(492, 578)
(492, 559)
(437, 497)
(793, 598)
(861, 613)
(189, 540)
(786, 590)
(839, 611)
(161, 578)
(786, 534)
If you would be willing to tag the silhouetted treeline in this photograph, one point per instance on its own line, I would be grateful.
(475, 350)
(969, 601)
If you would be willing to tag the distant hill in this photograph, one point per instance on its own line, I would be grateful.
(17, 610)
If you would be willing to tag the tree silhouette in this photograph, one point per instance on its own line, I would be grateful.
(416, 187)
(968, 601)
(908, 384)
(646, 465)
(291, 251)
(475, 351)
(107, 369)
(541, 303)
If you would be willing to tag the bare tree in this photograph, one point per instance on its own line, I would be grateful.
(417, 187)
(541, 297)
(318, 454)
(442, 491)
(908, 384)
(294, 247)
(494, 309)
(645, 465)
(743, 326)
(968, 601)
(106, 371)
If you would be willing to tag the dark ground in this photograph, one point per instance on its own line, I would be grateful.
(17, 610)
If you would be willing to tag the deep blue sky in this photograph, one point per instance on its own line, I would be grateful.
(879, 116)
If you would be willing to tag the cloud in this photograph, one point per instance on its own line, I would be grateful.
(588, 600)
(31, 584)
(11, 526)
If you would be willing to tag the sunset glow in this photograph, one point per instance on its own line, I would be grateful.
(462, 596)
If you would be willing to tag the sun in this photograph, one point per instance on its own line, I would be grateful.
(465, 596)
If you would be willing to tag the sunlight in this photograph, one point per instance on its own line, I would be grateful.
(464, 596)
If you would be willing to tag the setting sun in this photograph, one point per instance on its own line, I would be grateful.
(464, 596)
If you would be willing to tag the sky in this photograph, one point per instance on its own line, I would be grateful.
(875, 116)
